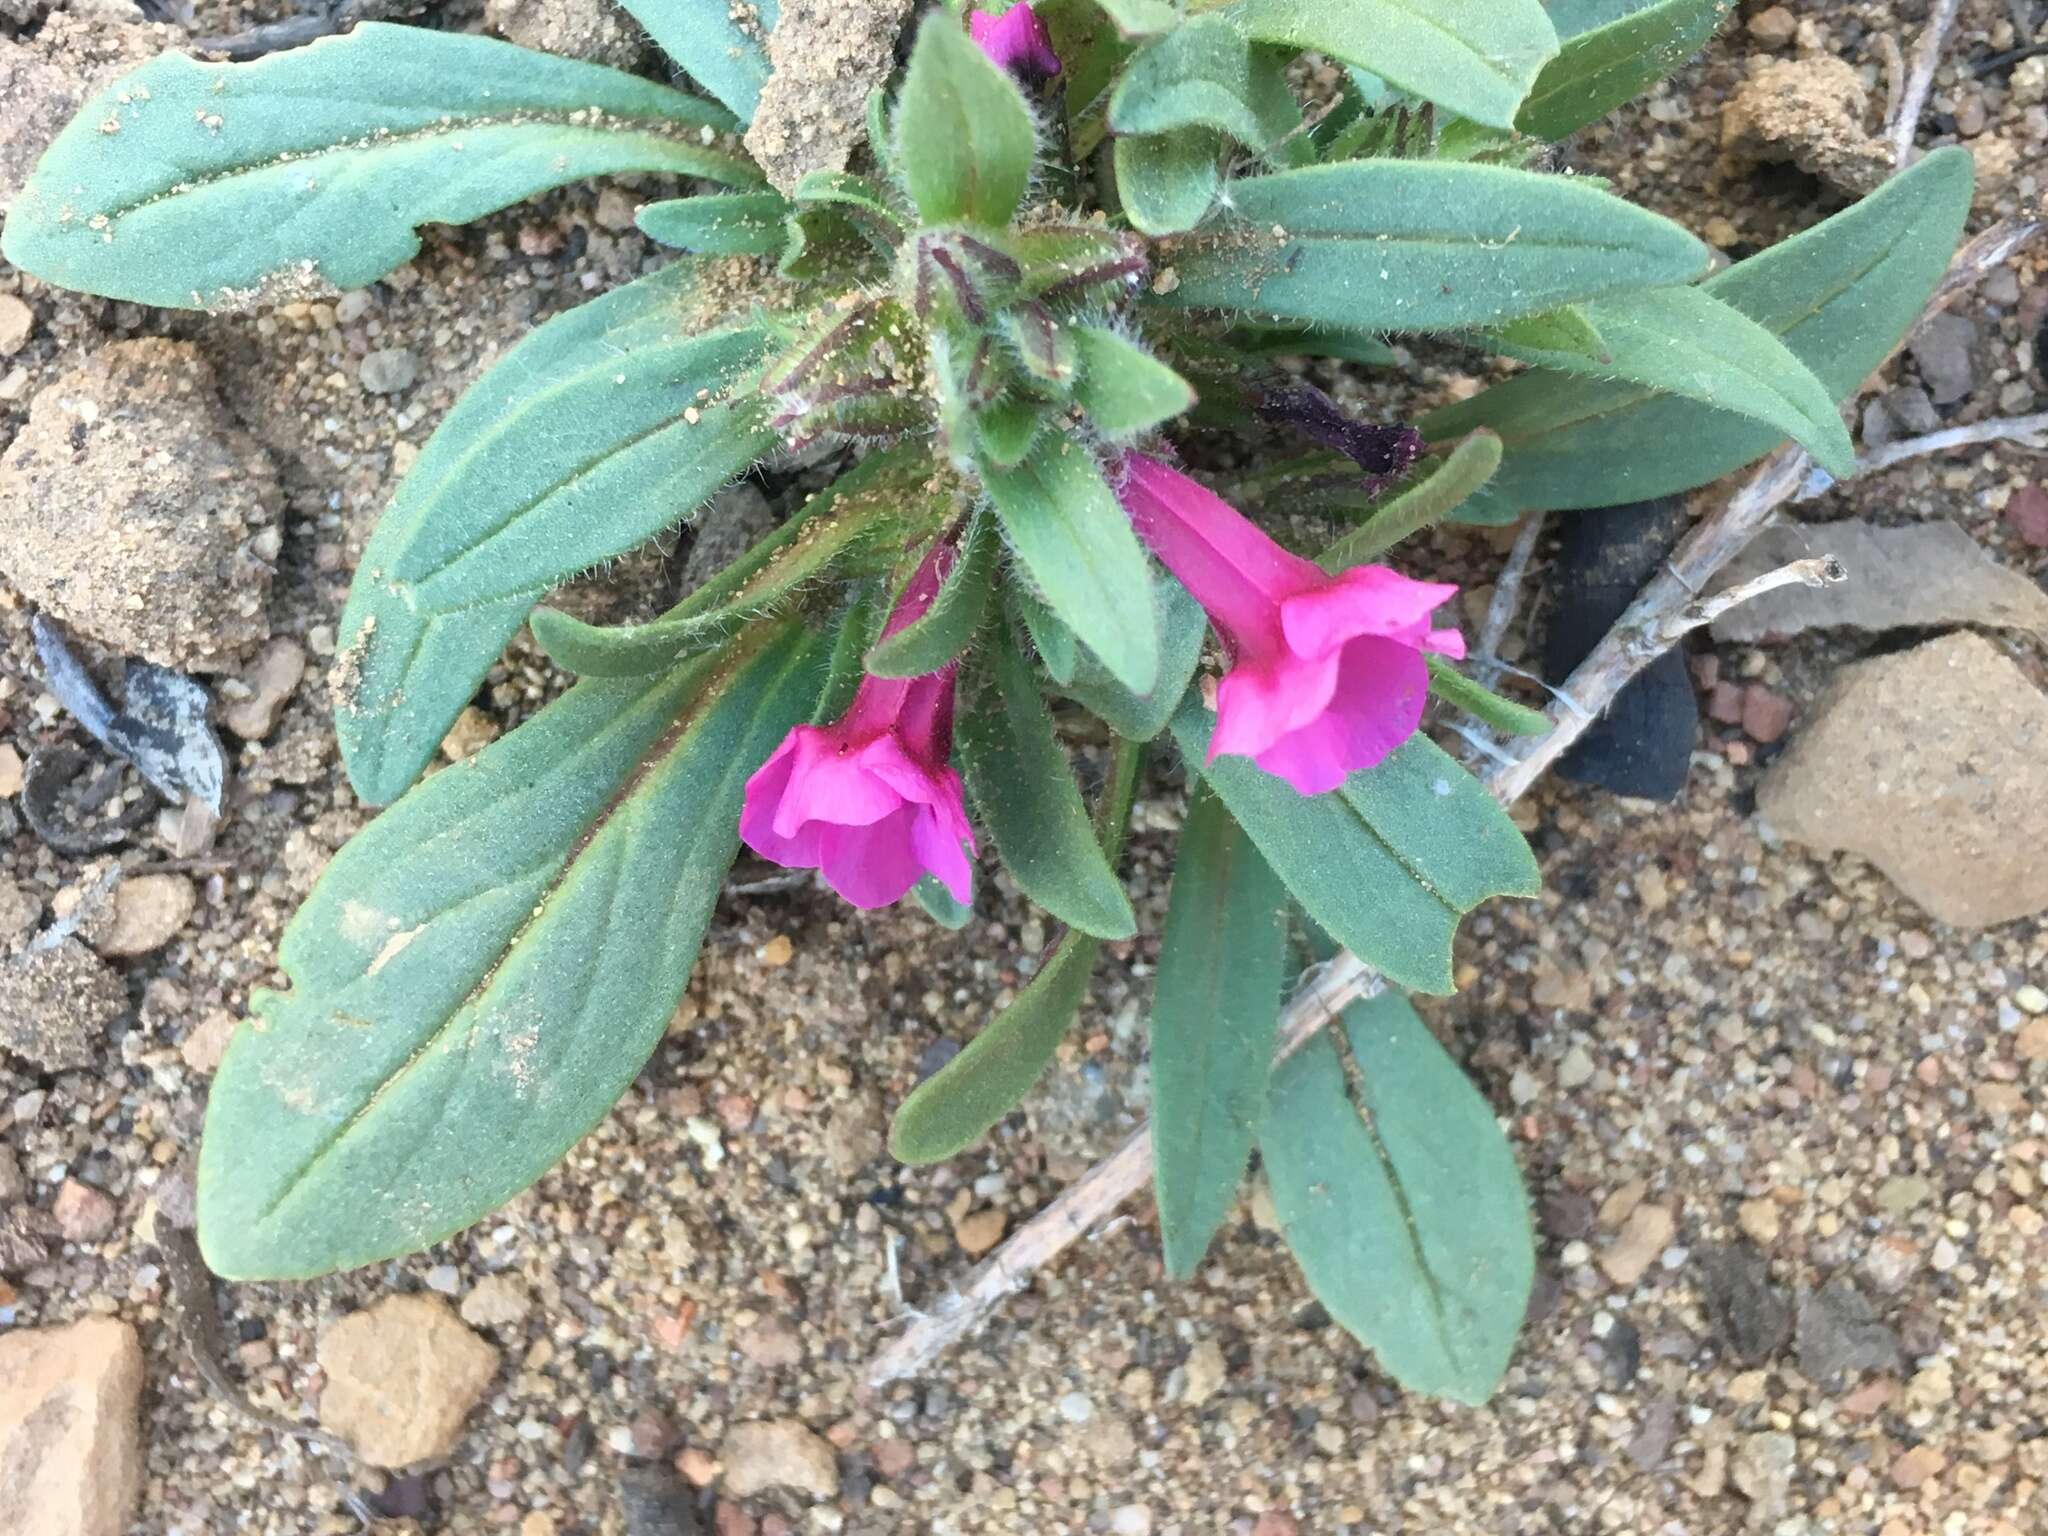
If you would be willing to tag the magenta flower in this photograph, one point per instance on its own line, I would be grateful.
(1017, 41)
(869, 801)
(1326, 673)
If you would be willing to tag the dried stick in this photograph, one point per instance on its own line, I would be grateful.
(1905, 122)
(1507, 598)
(2029, 431)
(1665, 610)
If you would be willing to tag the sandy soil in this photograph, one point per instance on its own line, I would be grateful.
(1815, 1081)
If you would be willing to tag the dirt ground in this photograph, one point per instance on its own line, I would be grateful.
(1818, 1083)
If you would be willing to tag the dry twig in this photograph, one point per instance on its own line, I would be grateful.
(1905, 122)
(1666, 609)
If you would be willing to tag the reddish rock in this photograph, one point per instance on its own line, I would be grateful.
(1766, 716)
(893, 1458)
(2028, 514)
(1724, 703)
(83, 1214)
(70, 1432)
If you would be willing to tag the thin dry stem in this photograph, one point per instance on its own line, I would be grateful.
(1667, 608)
(1905, 122)
(1507, 599)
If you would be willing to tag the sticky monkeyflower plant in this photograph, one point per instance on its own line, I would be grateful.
(1060, 273)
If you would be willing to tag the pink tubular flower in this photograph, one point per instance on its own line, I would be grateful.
(869, 800)
(1326, 673)
(1016, 41)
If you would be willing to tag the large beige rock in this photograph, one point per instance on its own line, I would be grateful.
(778, 1453)
(132, 505)
(1933, 765)
(401, 1377)
(70, 1436)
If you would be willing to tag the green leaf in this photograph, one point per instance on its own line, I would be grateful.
(940, 904)
(1205, 75)
(1839, 296)
(723, 46)
(1058, 652)
(1313, 341)
(219, 186)
(485, 967)
(1477, 58)
(1408, 245)
(741, 224)
(1568, 332)
(1470, 465)
(1168, 182)
(964, 137)
(1024, 789)
(1686, 342)
(1389, 863)
(948, 626)
(956, 1106)
(859, 201)
(1142, 716)
(1606, 65)
(1401, 1201)
(1460, 692)
(1222, 966)
(1124, 389)
(1142, 18)
(1066, 528)
(577, 445)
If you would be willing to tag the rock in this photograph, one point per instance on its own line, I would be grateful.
(2027, 511)
(20, 910)
(56, 1005)
(70, 1431)
(497, 1301)
(825, 56)
(146, 914)
(615, 210)
(1920, 576)
(17, 322)
(1766, 715)
(389, 371)
(472, 731)
(1635, 1248)
(893, 1457)
(1762, 1472)
(1840, 1332)
(1914, 1467)
(130, 505)
(401, 1377)
(1576, 1070)
(1810, 111)
(264, 686)
(772, 1344)
(1933, 764)
(1205, 1372)
(1751, 1315)
(13, 1182)
(778, 1453)
(654, 1501)
(1941, 349)
(2031, 1043)
(853, 1138)
(732, 521)
(1774, 28)
(979, 1231)
(1759, 1220)
(83, 1214)
(203, 1048)
(11, 771)
(578, 29)
(46, 79)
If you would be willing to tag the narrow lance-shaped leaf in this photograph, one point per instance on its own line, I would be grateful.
(1407, 245)
(1476, 58)
(1400, 1199)
(1684, 341)
(1125, 389)
(1142, 716)
(738, 224)
(964, 138)
(1068, 530)
(600, 428)
(1456, 481)
(1606, 65)
(1025, 791)
(723, 46)
(1460, 692)
(956, 1106)
(944, 629)
(887, 496)
(1389, 863)
(1839, 296)
(484, 969)
(324, 161)
(1222, 965)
